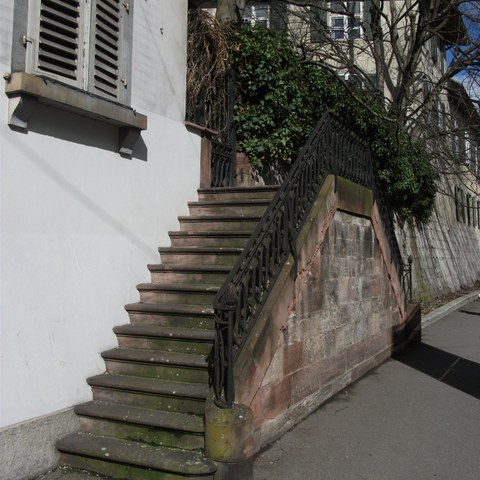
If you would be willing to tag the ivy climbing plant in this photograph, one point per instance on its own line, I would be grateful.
(281, 97)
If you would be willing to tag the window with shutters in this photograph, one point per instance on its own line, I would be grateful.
(345, 20)
(75, 56)
(339, 20)
(80, 43)
(257, 14)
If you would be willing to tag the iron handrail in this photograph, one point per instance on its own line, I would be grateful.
(331, 149)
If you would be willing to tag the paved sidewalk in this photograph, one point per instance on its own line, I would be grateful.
(415, 417)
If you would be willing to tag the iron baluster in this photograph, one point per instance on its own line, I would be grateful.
(331, 149)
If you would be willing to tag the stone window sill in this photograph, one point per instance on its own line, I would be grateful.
(25, 91)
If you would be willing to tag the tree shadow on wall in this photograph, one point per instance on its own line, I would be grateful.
(455, 371)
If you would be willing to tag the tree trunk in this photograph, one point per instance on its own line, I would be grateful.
(230, 10)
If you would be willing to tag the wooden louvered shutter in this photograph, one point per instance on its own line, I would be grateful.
(58, 40)
(105, 47)
(318, 21)
(279, 16)
(367, 19)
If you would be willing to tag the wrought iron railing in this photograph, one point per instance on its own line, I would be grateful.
(217, 115)
(331, 149)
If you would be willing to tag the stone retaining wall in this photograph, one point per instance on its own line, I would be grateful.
(328, 325)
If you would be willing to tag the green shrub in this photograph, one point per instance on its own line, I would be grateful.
(281, 97)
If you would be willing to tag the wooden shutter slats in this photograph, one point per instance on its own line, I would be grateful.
(58, 40)
(107, 30)
(111, 11)
(70, 52)
(65, 40)
(107, 38)
(71, 18)
(56, 68)
(65, 28)
(105, 60)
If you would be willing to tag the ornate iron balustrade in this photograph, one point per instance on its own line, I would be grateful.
(331, 149)
(217, 115)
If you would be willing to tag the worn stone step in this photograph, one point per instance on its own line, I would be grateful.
(178, 274)
(200, 294)
(199, 256)
(161, 314)
(219, 223)
(179, 397)
(169, 366)
(167, 339)
(237, 193)
(150, 426)
(143, 416)
(209, 239)
(127, 459)
(229, 207)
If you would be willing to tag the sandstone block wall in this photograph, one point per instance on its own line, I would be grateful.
(334, 321)
(339, 328)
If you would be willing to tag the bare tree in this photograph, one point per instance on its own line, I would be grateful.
(408, 52)
(396, 47)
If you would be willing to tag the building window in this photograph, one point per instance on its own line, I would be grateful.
(434, 47)
(474, 212)
(345, 20)
(75, 56)
(442, 116)
(337, 20)
(469, 204)
(468, 151)
(257, 14)
(460, 204)
(455, 139)
(82, 44)
(475, 157)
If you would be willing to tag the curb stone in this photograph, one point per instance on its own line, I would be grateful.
(448, 308)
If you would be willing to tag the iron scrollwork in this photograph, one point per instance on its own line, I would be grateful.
(331, 149)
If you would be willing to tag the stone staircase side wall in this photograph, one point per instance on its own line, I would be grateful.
(328, 325)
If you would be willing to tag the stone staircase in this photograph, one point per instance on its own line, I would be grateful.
(146, 418)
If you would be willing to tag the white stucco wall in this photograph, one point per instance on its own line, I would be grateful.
(79, 223)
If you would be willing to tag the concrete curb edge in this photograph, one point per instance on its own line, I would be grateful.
(449, 307)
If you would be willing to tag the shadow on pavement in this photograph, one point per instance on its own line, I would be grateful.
(469, 313)
(455, 371)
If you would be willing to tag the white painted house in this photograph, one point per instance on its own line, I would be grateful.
(96, 165)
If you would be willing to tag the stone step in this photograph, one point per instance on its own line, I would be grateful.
(209, 239)
(169, 366)
(187, 293)
(237, 193)
(225, 207)
(180, 274)
(150, 426)
(219, 223)
(180, 397)
(161, 314)
(166, 339)
(133, 460)
(199, 256)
